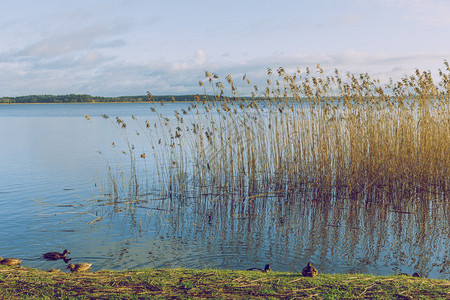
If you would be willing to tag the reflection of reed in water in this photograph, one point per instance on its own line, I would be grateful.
(337, 234)
(378, 234)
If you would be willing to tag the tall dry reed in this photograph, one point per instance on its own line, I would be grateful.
(308, 131)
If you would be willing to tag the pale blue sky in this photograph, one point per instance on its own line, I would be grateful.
(126, 47)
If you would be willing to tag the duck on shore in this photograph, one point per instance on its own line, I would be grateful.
(413, 275)
(56, 255)
(309, 271)
(79, 267)
(266, 269)
(10, 261)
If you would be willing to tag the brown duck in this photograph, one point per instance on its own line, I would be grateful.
(79, 267)
(309, 271)
(266, 269)
(56, 255)
(10, 261)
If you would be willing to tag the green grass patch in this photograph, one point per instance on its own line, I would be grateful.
(28, 283)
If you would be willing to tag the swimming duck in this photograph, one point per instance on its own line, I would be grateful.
(266, 269)
(79, 267)
(56, 255)
(10, 261)
(310, 271)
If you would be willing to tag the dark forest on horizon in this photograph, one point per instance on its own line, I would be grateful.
(83, 98)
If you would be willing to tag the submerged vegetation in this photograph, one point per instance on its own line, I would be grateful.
(20, 283)
(327, 134)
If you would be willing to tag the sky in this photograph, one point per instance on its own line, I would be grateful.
(129, 47)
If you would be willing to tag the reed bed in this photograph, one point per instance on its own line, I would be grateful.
(327, 134)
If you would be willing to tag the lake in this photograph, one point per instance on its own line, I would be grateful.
(55, 194)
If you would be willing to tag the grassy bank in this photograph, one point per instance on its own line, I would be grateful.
(27, 283)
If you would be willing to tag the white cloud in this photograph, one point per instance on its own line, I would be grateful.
(95, 74)
(91, 58)
(200, 57)
(89, 37)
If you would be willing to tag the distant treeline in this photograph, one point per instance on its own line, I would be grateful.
(73, 98)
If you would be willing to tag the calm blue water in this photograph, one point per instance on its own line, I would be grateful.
(54, 170)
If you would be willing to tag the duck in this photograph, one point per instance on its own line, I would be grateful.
(266, 269)
(413, 275)
(79, 267)
(10, 261)
(56, 255)
(309, 271)
(54, 271)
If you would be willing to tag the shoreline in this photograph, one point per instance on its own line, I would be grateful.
(19, 282)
